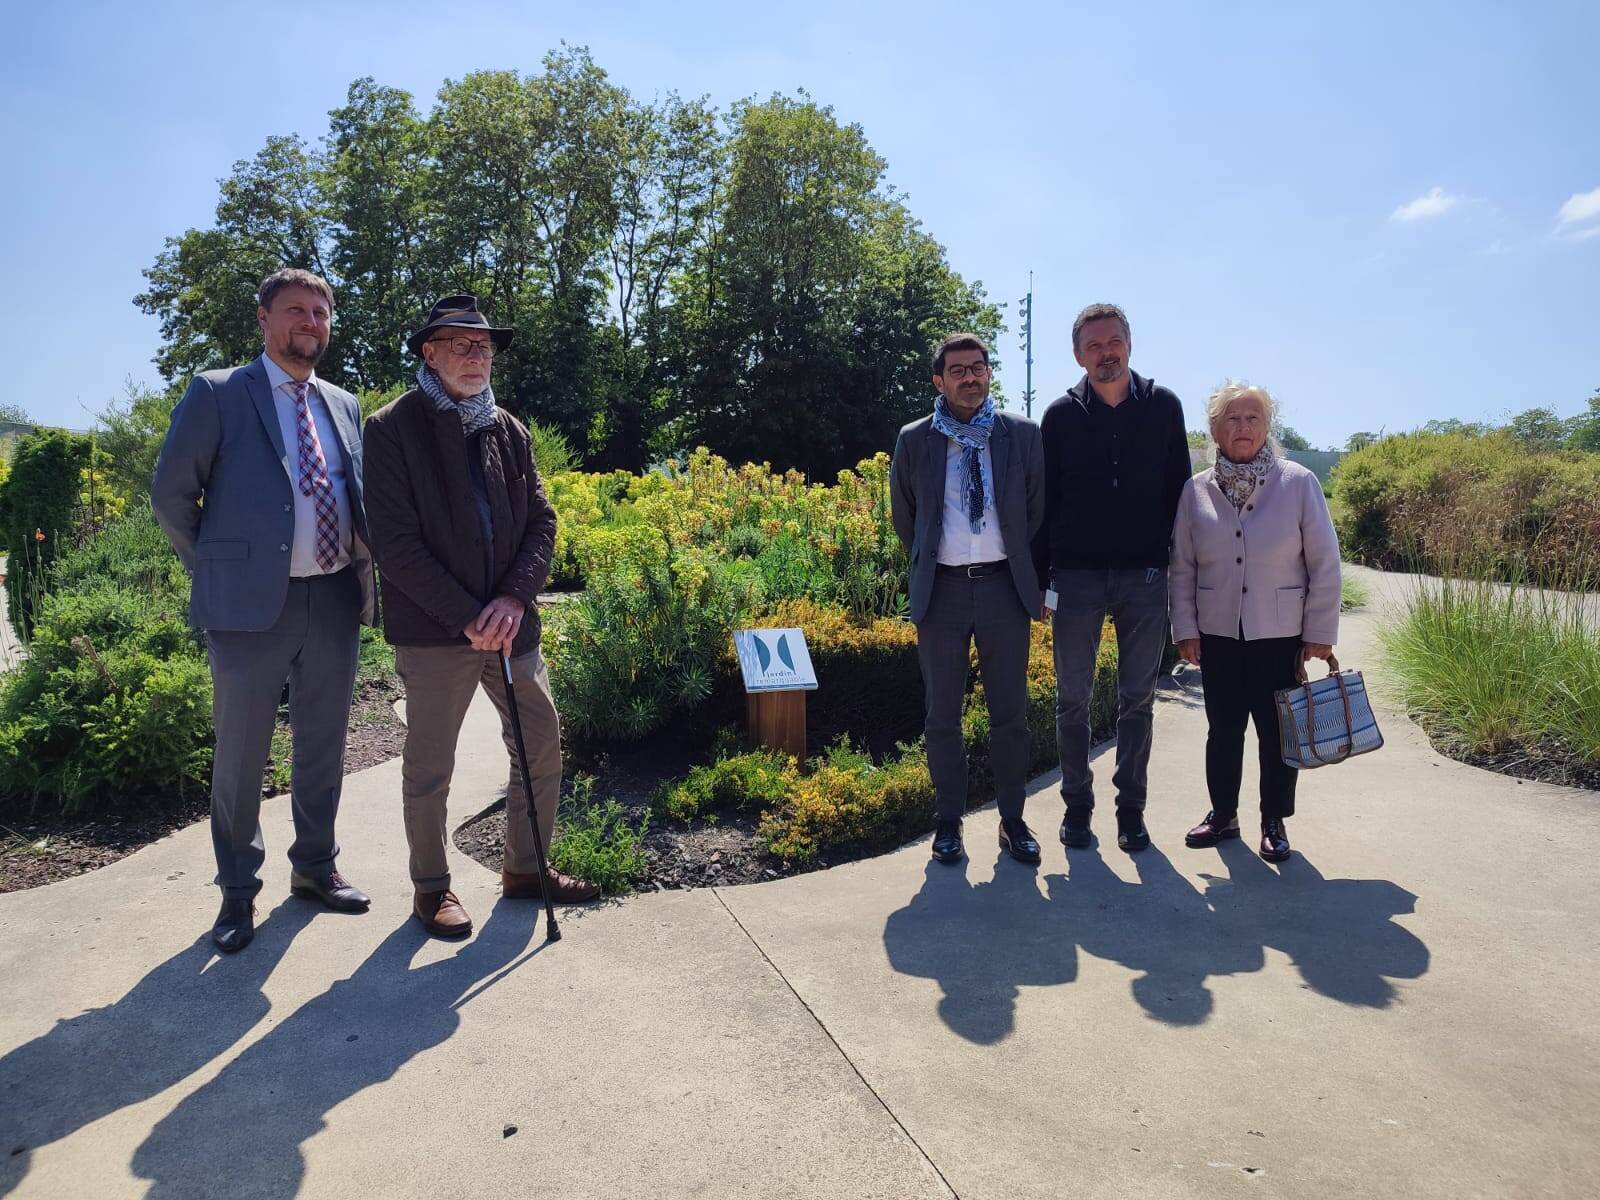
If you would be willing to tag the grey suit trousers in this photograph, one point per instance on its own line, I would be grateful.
(313, 645)
(960, 611)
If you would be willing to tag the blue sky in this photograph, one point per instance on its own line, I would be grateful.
(1383, 212)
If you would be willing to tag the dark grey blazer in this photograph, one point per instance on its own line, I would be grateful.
(225, 448)
(916, 491)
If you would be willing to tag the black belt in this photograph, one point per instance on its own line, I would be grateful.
(973, 570)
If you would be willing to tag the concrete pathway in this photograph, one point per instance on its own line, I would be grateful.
(1405, 1009)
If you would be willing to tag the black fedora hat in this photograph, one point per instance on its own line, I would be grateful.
(457, 312)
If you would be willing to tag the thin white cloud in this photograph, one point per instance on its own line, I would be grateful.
(1436, 202)
(1497, 247)
(1583, 235)
(1580, 206)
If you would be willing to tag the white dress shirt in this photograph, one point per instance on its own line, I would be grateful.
(303, 553)
(958, 545)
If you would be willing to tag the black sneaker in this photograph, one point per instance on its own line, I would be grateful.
(1017, 840)
(1075, 828)
(1132, 836)
(947, 841)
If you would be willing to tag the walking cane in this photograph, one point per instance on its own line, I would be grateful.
(552, 931)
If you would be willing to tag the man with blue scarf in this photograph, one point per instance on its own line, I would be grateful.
(463, 536)
(967, 492)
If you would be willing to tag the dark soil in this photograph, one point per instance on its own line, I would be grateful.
(1552, 767)
(34, 852)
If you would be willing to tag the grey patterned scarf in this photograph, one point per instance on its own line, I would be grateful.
(1238, 480)
(477, 412)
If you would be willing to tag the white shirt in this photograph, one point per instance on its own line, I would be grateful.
(303, 553)
(958, 545)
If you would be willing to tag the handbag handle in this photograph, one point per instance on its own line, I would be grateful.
(1311, 711)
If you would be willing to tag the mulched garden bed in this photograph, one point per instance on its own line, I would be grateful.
(1552, 768)
(37, 851)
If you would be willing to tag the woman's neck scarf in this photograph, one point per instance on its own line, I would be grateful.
(1238, 480)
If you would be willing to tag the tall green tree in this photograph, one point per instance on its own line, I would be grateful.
(374, 179)
(202, 285)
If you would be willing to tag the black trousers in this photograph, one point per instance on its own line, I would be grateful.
(1239, 678)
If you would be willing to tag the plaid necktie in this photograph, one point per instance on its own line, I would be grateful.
(314, 481)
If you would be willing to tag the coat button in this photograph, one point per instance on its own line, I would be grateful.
(1247, 587)
(288, 508)
(284, 546)
(1238, 533)
(1238, 560)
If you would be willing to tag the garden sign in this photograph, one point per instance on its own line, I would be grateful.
(777, 675)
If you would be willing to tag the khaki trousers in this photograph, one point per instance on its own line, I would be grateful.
(440, 682)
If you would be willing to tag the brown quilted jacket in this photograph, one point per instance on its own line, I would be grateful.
(427, 538)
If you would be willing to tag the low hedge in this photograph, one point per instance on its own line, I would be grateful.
(1471, 505)
(845, 799)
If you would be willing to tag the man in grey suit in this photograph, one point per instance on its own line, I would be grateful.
(967, 492)
(259, 489)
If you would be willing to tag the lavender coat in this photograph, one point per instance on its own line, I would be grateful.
(1273, 567)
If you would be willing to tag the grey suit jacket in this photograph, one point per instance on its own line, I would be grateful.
(916, 491)
(223, 491)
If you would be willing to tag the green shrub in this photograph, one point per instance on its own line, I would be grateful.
(131, 553)
(111, 706)
(1471, 505)
(1353, 594)
(1493, 670)
(596, 842)
(845, 800)
(752, 782)
(552, 454)
(38, 516)
(643, 642)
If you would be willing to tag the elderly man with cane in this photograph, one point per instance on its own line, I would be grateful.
(463, 535)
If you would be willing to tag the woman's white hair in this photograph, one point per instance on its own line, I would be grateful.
(1238, 389)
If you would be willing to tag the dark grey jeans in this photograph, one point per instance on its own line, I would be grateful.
(986, 610)
(1136, 600)
(313, 645)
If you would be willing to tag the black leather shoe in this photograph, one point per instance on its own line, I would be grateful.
(1075, 828)
(1274, 839)
(333, 889)
(947, 841)
(1132, 836)
(1017, 840)
(1215, 828)
(236, 924)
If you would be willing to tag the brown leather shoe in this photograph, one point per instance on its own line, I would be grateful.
(441, 914)
(1274, 840)
(1212, 830)
(564, 889)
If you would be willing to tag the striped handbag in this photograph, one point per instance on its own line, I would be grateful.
(1326, 720)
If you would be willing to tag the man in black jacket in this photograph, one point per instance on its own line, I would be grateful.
(463, 536)
(1116, 458)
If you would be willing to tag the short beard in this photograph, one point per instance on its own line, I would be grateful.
(1108, 374)
(298, 356)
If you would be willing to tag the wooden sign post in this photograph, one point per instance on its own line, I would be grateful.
(777, 675)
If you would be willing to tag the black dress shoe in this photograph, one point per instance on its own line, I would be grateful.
(1017, 840)
(236, 924)
(947, 841)
(1274, 839)
(333, 889)
(1132, 836)
(1075, 828)
(1215, 828)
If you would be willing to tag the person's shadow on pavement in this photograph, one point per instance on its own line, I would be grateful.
(1340, 933)
(252, 1120)
(1159, 925)
(181, 1016)
(981, 943)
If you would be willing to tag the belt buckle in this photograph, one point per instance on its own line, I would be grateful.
(970, 575)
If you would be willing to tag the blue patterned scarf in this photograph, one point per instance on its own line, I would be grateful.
(477, 412)
(972, 436)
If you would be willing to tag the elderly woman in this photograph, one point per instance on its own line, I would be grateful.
(1255, 593)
